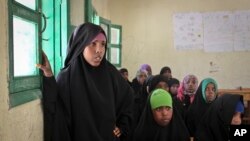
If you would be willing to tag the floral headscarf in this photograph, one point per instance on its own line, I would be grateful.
(183, 89)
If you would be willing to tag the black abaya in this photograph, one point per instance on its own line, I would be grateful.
(215, 124)
(149, 130)
(86, 103)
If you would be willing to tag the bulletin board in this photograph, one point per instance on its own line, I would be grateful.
(188, 31)
(222, 31)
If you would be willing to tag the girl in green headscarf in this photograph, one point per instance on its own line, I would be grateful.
(160, 121)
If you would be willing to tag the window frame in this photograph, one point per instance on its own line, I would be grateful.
(106, 23)
(116, 46)
(24, 88)
(111, 46)
(29, 88)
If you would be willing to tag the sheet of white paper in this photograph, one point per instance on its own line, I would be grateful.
(188, 31)
(218, 31)
(242, 31)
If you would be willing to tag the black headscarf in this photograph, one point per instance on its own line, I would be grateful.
(215, 124)
(82, 36)
(165, 69)
(172, 82)
(91, 101)
(149, 130)
(199, 106)
(155, 80)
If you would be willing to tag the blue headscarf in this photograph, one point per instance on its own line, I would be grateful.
(239, 107)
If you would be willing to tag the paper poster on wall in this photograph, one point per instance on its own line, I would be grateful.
(242, 31)
(188, 31)
(218, 31)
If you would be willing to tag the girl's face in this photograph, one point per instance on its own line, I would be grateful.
(191, 85)
(210, 92)
(162, 115)
(174, 89)
(142, 77)
(236, 120)
(162, 85)
(125, 75)
(168, 74)
(94, 52)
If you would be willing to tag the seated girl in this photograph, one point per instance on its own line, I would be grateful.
(160, 121)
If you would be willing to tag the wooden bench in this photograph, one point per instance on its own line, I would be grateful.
(245, 92)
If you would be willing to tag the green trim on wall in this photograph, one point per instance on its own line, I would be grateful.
(58, 37)
(65, 29)
(88, 11)
(24, 12)
(23, 89)
(106, 22)
(24, 97)
(119, 45)
(22, 84)
(53, 40)
(109, 25)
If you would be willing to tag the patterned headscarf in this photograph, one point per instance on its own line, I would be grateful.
(182, 90)
(146, 67)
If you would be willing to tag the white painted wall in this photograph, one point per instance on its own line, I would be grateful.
(22, 123)
(148, 38)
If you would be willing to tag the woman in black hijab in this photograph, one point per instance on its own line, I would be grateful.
(224, 111)
(204, 96)
(89, 101)
(166, 71)
(158, 81)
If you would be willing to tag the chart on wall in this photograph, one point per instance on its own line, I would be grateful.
(242, 31)
(188, 31)
(218, 31)
(222, 31)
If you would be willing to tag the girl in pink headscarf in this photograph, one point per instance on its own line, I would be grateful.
(186, 92)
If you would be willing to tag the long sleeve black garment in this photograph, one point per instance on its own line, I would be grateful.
(63, 123)
(149, 130)
(85, 103)
(214, 126)
(199, 106)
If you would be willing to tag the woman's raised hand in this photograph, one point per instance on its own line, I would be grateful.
(45, 66)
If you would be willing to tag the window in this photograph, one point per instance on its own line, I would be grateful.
(113, 33)
(115, 45)
(25, 43)
(105, 24)
(30, 31)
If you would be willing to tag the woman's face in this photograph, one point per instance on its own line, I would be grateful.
(191, 85)
(162, 115)
(142, 78)
(210, 92)
(174, 89)
(95, 51)
(162, 85)
(236, 120)
(168, 74)
(125, 75)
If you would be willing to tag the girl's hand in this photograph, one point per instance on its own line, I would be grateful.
(45, 66)
(117, 132)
